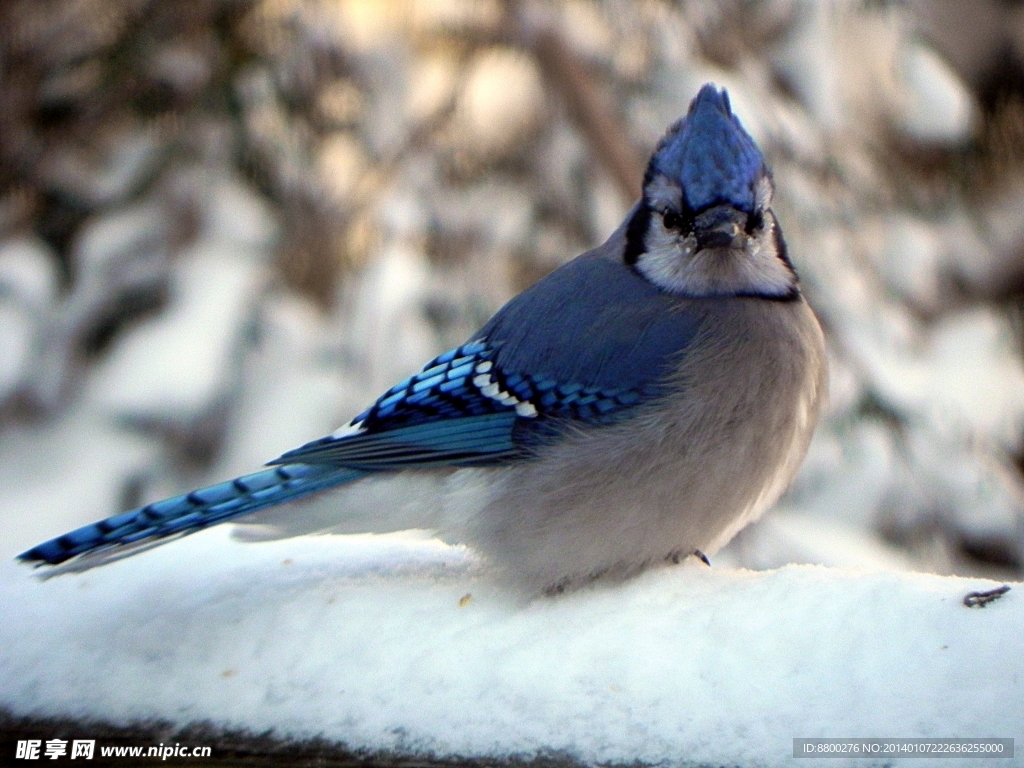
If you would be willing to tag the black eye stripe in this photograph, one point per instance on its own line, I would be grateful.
(636, 231)
(754, 221)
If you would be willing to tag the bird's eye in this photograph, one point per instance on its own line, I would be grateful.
(672, 220)
(754, 221)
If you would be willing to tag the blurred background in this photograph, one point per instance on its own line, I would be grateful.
(227, 225)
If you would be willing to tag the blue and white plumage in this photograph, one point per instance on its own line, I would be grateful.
(645, 400)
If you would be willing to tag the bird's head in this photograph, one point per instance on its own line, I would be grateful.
(705, 226)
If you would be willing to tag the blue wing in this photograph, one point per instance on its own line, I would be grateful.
(461, 409)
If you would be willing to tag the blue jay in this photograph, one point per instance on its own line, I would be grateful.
(643, 402)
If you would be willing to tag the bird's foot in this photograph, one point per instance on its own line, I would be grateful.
(676, 556)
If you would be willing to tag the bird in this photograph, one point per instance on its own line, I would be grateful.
(642, 402)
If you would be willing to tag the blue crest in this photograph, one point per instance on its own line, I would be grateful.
(710, 155)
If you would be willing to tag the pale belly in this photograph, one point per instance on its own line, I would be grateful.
(685, 474)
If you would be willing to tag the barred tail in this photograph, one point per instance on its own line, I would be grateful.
(190, 512)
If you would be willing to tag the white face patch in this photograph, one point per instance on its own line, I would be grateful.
(663, 194)
(763, 193)
(675, 263)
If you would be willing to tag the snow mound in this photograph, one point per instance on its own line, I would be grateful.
(401, 643)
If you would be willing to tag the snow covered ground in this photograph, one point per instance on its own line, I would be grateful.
(401, 643)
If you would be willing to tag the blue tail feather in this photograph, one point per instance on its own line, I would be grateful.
(193, 511)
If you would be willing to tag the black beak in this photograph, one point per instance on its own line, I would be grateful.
(719, 227)
(714, 238)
